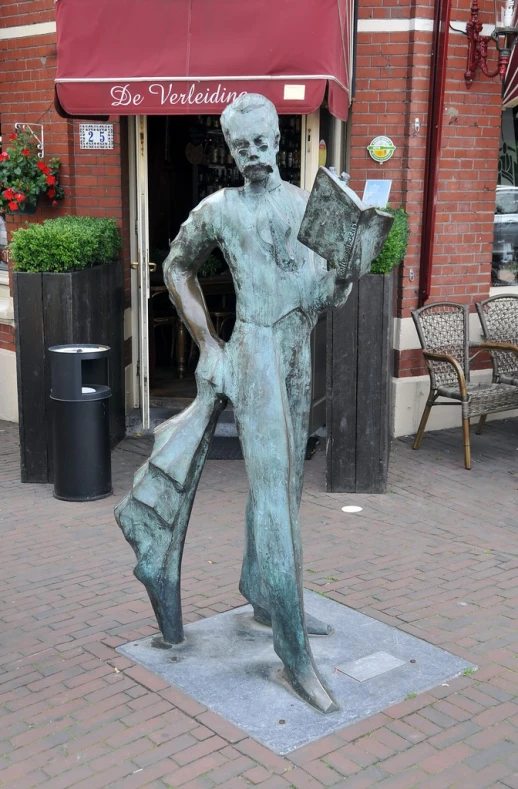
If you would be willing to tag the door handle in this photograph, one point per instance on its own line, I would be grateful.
(152, 267)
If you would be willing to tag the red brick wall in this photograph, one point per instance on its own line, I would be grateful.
(6, 337)
(393, 72)
(391, 91)
(27, 12)
(92, 179)
(467, 177)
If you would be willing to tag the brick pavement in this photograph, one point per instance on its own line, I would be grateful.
(437, 556)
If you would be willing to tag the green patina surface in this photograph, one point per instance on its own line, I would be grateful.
(264, 370)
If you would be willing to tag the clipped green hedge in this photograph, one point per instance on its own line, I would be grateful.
(68, 243)
(394, 248)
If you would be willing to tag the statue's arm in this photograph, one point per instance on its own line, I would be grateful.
(332, 291)
(191, 247)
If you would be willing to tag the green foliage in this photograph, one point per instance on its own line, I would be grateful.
(394, 248)
(212, 266)
(68, 243)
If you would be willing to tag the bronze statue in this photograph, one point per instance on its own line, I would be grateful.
(264, 370)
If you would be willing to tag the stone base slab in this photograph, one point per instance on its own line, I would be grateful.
(228, 664)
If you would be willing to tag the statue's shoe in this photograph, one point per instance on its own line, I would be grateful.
(314, 626)
(309, 687)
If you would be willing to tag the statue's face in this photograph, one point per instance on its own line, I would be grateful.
(253, 144)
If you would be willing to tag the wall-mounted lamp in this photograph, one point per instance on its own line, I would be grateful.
(504, 35)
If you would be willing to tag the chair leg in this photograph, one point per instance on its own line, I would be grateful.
(424, 420)
(481, 423)
(467, 446)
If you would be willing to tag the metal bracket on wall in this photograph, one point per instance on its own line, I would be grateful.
(38, 136)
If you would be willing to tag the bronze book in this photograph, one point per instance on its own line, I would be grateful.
(339, 227)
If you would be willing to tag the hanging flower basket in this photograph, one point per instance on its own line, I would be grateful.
(26, 207)
(24, 177)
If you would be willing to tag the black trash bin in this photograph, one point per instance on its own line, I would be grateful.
(80, 398)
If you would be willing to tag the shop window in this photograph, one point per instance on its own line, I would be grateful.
(505, 238)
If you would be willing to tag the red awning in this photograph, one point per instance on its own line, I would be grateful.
(165, 57)
(510, 89)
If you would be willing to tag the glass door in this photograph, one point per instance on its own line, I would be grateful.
(141, 266)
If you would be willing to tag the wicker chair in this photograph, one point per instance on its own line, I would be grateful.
(499, 318)
(444, 335)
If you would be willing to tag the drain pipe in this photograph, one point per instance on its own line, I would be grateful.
(442, 11)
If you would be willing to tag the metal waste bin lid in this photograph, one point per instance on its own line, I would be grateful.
(79, 348)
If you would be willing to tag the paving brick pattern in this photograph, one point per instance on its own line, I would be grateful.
(437, 557)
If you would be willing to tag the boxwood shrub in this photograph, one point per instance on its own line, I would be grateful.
(68, 243)
(394, 248)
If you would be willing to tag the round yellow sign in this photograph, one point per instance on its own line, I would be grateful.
(381, 149)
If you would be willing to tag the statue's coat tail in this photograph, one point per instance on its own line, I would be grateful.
(154, 516)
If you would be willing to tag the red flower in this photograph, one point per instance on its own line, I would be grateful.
(9, 194)
(26, 152)
(13, 206)
(51, 179)
(5, 155)
(19, 197)
(54, 203)
(43, 167)
(51, 192)
(12, 136)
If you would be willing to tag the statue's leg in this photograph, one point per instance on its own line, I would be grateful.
(154, 516)
(264, 425)
(251, 584)
(296, 367)
(252, 587)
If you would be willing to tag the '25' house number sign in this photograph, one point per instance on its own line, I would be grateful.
(96, 135)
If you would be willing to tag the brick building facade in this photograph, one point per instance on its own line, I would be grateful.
(393, 66)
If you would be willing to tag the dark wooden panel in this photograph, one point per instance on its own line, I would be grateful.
(371, 389)
(387, 370)
(28, 311)
(341, 395)
(359, 388)
(89, 318)
(318, 375)
(56, 309)
(57, 294)
(116, 341)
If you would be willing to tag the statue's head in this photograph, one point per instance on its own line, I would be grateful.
(251, 128)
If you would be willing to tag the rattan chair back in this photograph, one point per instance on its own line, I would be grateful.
(442, 327)
(499, 318)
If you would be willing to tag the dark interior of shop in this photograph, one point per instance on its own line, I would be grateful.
(188, 160)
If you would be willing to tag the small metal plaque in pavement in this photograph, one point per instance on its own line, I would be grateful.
(370, 666)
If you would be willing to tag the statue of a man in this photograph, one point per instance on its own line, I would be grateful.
(265, 371)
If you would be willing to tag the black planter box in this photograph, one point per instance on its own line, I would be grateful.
(57, 309)
(359, 385)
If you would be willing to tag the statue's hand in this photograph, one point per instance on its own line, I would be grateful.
(211, 362)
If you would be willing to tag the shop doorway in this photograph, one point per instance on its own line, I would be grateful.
(188, 160)
(181, 160)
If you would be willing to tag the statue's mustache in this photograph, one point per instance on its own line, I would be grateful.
(261, 165)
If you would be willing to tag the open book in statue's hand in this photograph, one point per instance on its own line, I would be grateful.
(339, 227)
